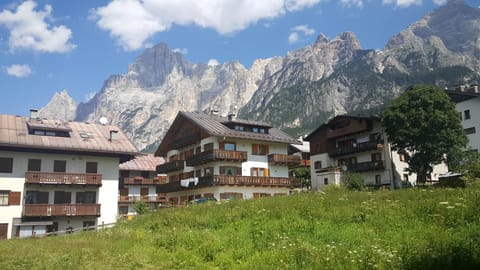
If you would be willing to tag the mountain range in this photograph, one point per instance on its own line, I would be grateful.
(296, 92)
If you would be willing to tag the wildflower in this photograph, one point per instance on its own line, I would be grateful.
(443, 203)
(450, 206)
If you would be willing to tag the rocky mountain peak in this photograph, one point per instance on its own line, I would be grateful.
(61, 107)
(322, 39)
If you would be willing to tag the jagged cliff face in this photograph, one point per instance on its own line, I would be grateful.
(297, 92)
(61, 107)
(160, 83)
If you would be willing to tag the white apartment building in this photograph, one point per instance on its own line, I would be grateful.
(358, 144)
(224, 158)
(57, 176)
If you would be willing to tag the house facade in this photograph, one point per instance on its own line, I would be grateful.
(139, 182)
(353, 144)
(58, 176)
(467, 103)
(303, 152)
(224, 158)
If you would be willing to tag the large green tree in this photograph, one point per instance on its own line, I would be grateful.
(423, 125)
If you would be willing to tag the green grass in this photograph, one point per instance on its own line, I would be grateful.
(406, 229)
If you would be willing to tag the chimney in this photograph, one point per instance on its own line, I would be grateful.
(33, 113)
(231, 116)
(460, 88)
(474, 89)
(113, 135)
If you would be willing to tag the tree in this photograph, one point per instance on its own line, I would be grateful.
(353, 181)
(304, 175)
(465, 162)
(423, 125)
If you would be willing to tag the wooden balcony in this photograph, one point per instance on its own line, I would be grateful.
(61, 210)
(171, 166)
(366, 166)
(158, 198)
(138, 180)
(258, 181)
(279, 159)
(216, 155)
(356, 148)
(56, 178)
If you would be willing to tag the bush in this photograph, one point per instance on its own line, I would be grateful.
(353, 181)
(140, 207)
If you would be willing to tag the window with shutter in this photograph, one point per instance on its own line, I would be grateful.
(6, 165)
(34, 165)
(59, 165)
(91, 167)
(14, 198)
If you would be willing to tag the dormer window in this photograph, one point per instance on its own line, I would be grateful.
(53, 133)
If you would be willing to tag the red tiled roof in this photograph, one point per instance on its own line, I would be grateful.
(142, 163)
(82, 137)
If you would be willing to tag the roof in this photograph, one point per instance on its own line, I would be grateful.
(459, 96)
(16, 132)
(147, 162)
(338, 118)
(218, 126)
(304, 147)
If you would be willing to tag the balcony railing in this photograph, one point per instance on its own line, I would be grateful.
(366, 166)
(59, 210)
(57, 178)
(356, 148)
(279, 159)
(144, 181)
(171, 166)
(142, 198)
(206, 181)
(216, 154)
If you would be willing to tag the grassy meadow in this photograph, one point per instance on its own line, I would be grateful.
(431, 228)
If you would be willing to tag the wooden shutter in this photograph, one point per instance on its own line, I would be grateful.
(238, 171)
(267, 172)
(254, 149)
(222, 170)
(222, 145)
(91, 167)
(14, 198)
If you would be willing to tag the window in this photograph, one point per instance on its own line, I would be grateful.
(89, 225)
(378, 179)
(230, 171)
(376, 156)
(259, 149)
(231, 196)
(207, 146)
(317, 165)
(62, 197)
(34, 165)
(208, 171)
(466, 114)
(4, 197)
(6, 165)
(91, 167)
(262, 172)
(86, 197)
(228, 146)
(257, 195)
(325, 181)
(469, 131)
(34, 197)
(59, 165)
(255, 130)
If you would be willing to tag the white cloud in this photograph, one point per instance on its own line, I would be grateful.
(352, 3)
(440, 2)
(402, 3)
(299, 31)
(181, 50)
(29, 30)
(20, 71)
(213, 62)
(149, 17)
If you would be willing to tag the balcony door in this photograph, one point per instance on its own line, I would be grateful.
(62, 197)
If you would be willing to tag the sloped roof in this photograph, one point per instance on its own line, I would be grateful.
(83, 137)
(304, 147)
(147, 162)
(339, 118)
(214, 125)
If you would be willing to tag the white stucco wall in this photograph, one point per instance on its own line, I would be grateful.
(474, 106)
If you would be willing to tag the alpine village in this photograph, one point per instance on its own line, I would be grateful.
(336, 157)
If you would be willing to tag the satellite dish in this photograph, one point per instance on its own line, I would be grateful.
(103, 120)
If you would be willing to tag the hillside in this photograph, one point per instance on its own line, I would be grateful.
(405, 229)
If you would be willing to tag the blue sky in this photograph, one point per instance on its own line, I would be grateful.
(50, 45)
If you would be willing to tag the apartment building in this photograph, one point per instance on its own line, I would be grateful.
(358, 144)
(139, 182)
(57, 175)
(224, 158)
(467, 103)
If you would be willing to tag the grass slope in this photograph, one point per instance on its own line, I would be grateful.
(406, 229)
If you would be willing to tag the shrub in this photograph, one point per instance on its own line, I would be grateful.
(353, 181)
(140, 207)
